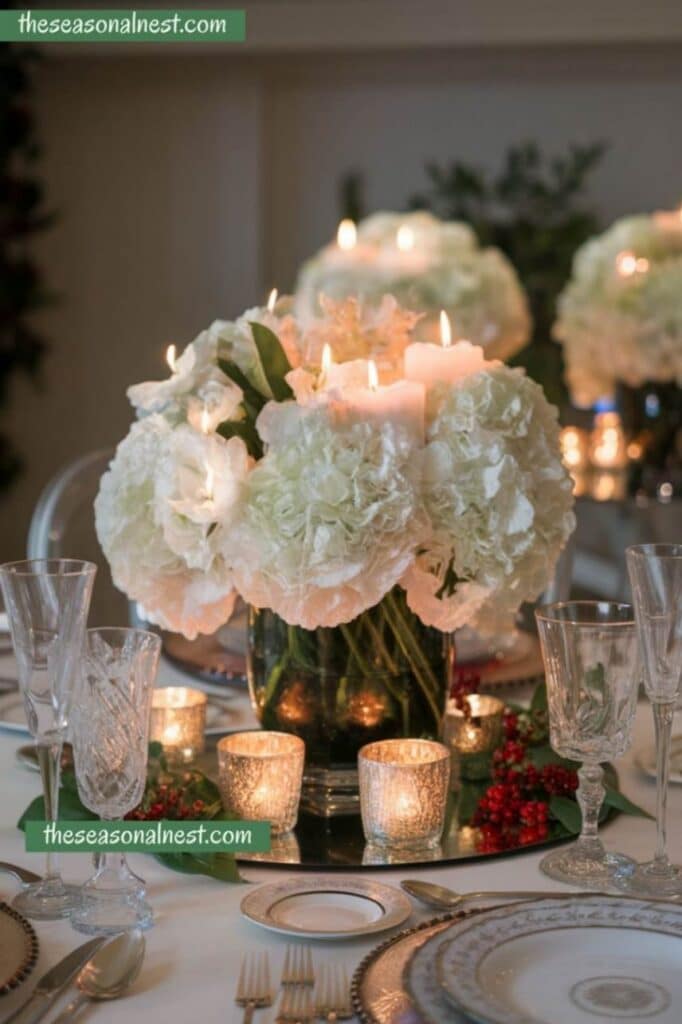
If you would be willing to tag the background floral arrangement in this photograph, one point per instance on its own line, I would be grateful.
(620, 316)
(439, 266)
(260, 468)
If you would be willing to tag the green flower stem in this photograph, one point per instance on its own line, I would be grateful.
(420, 668)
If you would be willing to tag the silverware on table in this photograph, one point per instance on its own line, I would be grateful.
(253, 988)
(109, 973)
(298, 967)
(442, 898)
(295, 1005)
(54, 982)
(332, 994)
(22, 875)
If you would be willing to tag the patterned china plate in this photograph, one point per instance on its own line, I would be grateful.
(18, 949)
(576, 961)
(326, 907)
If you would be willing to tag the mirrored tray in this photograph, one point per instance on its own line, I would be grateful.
(329, 844)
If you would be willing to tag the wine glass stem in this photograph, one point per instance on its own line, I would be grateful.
(49, 759)
(590, 797)
(663, 720)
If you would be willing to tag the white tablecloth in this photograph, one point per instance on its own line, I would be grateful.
(194, 950)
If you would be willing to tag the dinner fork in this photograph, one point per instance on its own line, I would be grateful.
(295, 1006)
(332, 995)
(298, 967)
(253, 987)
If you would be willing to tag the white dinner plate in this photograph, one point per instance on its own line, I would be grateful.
(219, 718)
(645, 759)
(326, 907)
(592, 958)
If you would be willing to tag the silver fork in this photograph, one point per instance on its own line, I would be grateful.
(295, 1005)
(332, 995)
(298, 967)
(253, 987)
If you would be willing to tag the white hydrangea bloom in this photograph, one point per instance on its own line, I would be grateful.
(498, 497)
(444, 269)
(158, 529)
(620, 316)
(331, 519)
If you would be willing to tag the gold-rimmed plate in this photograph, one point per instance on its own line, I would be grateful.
(19, 948)
(327, 907)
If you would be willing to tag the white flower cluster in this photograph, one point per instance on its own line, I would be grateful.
(441, 266)
(620, 316)
(317, 502)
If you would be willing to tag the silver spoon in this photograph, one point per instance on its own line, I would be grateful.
(109, 973)
(22, 875)
(441, 898)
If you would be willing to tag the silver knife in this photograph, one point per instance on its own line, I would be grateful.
(54, 982)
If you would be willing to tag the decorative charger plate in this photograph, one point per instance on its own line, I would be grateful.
(305, 907)
(378, 990)
(576, 961)
(19, 949)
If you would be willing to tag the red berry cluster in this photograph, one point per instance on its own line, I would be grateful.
(514, 811)
(167, 802)
(465, 682)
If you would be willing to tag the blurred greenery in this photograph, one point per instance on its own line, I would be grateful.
(22, 216)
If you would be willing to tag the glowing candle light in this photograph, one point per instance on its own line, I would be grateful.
(347, 235)
(445, 330)
(627, 264)
(260, 775)
(372, 376)
(205, 421)
(608, 445)
(327, 363)
(574, 445)
(272, 299)
(170, 358)
(404, 238)
(178, 721)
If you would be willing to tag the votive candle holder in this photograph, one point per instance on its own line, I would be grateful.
(260, 776)
(476, 729)
(403, 792)
(178, 722)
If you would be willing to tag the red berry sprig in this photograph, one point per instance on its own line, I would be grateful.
(169, 803)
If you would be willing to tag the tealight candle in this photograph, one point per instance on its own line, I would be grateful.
(178, 721)
(476, 729)
(574, 444)
(260, 776)
(403, 792)
(608, 444)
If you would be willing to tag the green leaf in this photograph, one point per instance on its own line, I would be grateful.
(539, 699)
(221, 866)
(619, 802)
(274, 360)
(543, 755)
(567, 813)
(254, 397)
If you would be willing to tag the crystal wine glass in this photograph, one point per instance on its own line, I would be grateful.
(656, 577)
(110, 736)
(589, 649)
(47, 603)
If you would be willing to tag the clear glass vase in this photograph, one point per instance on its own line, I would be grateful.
(382, 676)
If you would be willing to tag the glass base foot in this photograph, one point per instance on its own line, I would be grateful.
(103, 915)
(653, 880)
(47, 901)
(571, 866)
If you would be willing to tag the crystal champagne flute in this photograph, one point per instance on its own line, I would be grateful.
(589, 649)
(47, 603)
(110, 737)
(655, 572)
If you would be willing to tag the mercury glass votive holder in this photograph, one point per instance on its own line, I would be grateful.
(403, 793)
(260, 775)
(476, 729)
(178, 722)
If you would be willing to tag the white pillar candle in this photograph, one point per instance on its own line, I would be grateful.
(401, 403)
(438, 364)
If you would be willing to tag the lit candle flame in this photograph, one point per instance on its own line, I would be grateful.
(327, 360)
(445, 330)
(628, 264)
(272, 299)
(405, 238)
(347, 235)
(170, 357)
(205, 424)
(372, 375)
(209, 483)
